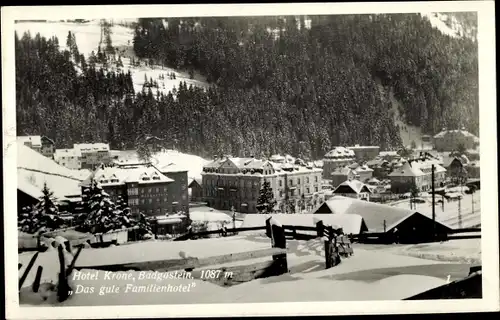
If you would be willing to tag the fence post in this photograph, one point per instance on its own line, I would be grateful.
(328, 248)
(268, 227)
(62, 287)
(320, 227)
(278, 240)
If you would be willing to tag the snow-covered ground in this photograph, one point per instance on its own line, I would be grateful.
(307, 280)
(450, 213)
(88, 36)
(463, 250)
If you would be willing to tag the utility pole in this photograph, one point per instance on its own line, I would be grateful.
(385, 226)
(433, 203)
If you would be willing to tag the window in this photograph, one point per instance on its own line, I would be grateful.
(298, 181)
(142, 201)
(164, 189)
(307, 180)
(150, 200)
(315, 189)
(291, 182)
(165, 199)
(281, 183)
(316, 179)
(308, 190)
(157, 199)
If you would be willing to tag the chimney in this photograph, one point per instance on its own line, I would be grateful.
(463, 129)
(444, 129)
(215, 157)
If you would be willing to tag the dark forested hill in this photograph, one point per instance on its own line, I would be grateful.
(298, 89)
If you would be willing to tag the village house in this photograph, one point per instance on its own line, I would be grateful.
(353, 189)
(450, 140)
(236, 182)
(365, 153)
(417, 172)
(154, 143)
(195, 190)
(335, 158)
(381, 168)
(40, 144)
(143, 187)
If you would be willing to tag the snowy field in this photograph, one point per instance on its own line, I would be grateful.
(449, 215)
(193, 164)
(87, 38)
(372, 273)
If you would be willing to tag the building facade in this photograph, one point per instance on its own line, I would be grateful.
(236, 183)
(177, 191)
(41, 144)
(69, 158)
(195, 190)
(417, 172)
(365, 153)
(450, 140)
(93, 154)
(338, 157)
(144, 188)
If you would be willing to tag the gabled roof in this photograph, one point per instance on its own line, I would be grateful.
(172, 167)
(373, 214)
(192, 180)
(463, 132)
(355, 185)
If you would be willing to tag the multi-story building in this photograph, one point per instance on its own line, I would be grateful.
(143, 187)
(236, 183)
(69, 158)
(177, 192)
(338, 157)
(417, 172)
(365, 153)
(41, 144)
(450, 140)
(93, 154)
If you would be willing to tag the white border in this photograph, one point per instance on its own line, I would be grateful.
(489, 192)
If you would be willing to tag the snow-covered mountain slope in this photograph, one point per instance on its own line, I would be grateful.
(448, 24)
(88, 36)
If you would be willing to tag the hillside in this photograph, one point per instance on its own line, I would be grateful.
(317, 85)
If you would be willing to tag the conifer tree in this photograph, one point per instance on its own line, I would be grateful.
(266, 201)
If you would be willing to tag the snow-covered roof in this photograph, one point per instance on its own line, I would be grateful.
(34, 140)
(32, 182)
(29, 159)
(338, 152)
(463, 132)
(373, 214)
(120, 175)
(91, 147)
(357, 146)
(406, 170)
(59, 153)
(356, 186)
(209, 216)
(172, 167)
